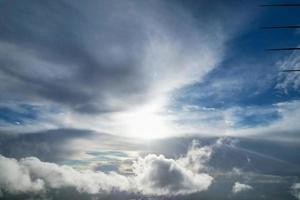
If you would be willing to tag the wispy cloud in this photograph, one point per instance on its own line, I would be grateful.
(288, 81)
(240, 187)
(107, 61)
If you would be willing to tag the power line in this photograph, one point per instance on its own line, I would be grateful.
(281, 27)
(291, 70)
(284, 49)
(281, 5)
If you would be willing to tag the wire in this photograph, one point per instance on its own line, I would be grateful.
(284, 49)
(281, 27)
(281, 5)
(291, 70)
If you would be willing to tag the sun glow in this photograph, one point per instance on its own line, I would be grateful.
(148, 122)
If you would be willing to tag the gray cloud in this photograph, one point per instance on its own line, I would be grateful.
(103, 56)
(162, 176)
(52, 145)
(58, 145)
(64, 71)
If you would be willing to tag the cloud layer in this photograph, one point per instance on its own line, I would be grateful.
(152, 175)
(107, 64)
(103, 56)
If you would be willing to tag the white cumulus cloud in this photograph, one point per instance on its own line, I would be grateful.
(152, 175)
(162, 176)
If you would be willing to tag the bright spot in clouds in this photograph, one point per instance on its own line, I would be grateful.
(146, 122)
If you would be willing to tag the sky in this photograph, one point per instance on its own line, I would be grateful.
(146, 99)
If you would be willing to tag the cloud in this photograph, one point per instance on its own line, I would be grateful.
(239, 187)
(295, 189)
(16, 178)
(277, 121)
(152, 175)
(68, 146)
(52, 145)
(284, 128)
(162, 176)
(30, 174)
(104, 63)
(289, 80)
(197, 157)
(159, 175)
(88, 61)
